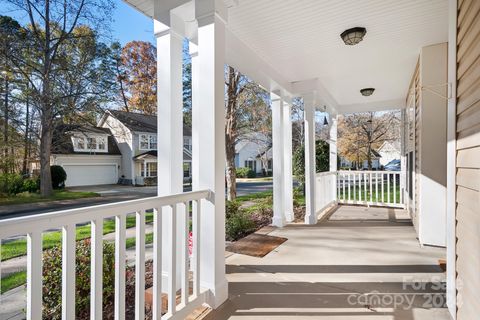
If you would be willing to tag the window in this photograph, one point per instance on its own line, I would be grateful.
(151, 169)
(83, 143)
(187, 143)
(148, 142)
(186, 169)
(252, 164)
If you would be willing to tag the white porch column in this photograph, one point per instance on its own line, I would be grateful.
(287, 158)
(144, 168)
(310, 166)
(278, 160)
(169, 133)
(209, 147)
(333, 153)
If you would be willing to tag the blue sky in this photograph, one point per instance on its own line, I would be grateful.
(128, 24)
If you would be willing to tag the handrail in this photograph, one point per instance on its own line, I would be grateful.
(23, 225)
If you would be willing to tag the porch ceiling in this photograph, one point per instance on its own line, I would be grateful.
(300, 40)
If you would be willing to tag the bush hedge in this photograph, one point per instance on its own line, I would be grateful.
(11, 183)
(52, 280)
(245, 173)
(58, 177)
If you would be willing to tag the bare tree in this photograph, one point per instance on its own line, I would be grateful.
(52, 23)
(361, 133)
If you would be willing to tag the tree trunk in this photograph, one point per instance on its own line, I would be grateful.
(6, 168)
(45, 152)
(26, 139)
(46, 114)
(231, 134)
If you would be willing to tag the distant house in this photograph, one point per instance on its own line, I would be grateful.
(254, 152)
(390, 150)
(89, 155)
(345, 163)
(136, 137)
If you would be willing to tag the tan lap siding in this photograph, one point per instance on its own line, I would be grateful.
(468, 159)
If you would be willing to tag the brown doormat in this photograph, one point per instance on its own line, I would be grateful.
(256, 245)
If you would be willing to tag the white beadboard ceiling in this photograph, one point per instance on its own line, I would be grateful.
(300, 40)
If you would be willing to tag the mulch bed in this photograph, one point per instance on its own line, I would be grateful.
(256, 245)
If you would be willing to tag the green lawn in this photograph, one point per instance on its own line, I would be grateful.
(27, 197)
(360, 193)
(18, 247)
(20, 278)
(13, 280)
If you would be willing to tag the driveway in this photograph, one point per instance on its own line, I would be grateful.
(109, 194)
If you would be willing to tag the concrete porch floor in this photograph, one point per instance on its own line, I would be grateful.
(363, 263)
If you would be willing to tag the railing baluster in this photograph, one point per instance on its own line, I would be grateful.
(383, 187)
(96, 292)
(196, 247)
(349, 183)
(172, 272)
(68, 271)
(184, 274)
(376, 187)
(140, 266)
(365, 187)
(371, 189)
(354, 187)
(120, 267)
(343, 180)
(157, 264)
(34, 276)
(388, 187)
(394, 188)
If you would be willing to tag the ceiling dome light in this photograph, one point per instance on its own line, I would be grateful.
(353, 36)
(367, 91)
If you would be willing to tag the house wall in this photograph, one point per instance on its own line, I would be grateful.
(123, 137)
(388, 153)
(249, 151)
(433, 144)
(427, 127)
(468, 160)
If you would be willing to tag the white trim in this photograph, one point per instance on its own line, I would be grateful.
(85, 136)
(451, 159)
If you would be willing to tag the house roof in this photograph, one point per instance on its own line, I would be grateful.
(62, 142)
(187, 156)
(140, 122)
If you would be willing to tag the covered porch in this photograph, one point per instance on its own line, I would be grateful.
(359, 263)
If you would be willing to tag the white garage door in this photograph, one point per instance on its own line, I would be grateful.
(87, 175)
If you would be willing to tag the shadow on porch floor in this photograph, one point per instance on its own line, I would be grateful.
(363, 263)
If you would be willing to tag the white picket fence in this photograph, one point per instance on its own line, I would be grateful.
(325, 190)
(379, 188)
(34, 226)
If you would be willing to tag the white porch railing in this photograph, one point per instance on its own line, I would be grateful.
(33, 226)
(325, 190)
(380, 188)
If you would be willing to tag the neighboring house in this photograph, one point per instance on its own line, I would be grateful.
(390, 150)
(89, 155)
(376, 165)
(136, 137)
(250, 153)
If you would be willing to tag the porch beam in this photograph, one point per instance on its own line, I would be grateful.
(310, 166)
(209, 150)
(278, 108)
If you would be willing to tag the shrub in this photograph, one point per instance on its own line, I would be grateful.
(52, 280)
(239, 225)
(31, 185)
(322, 160)
(58, 177)
(231, 208)
(245, 173)
(11, 183)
